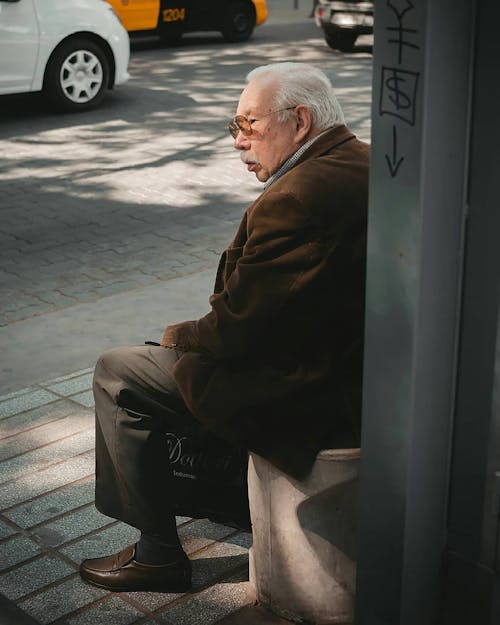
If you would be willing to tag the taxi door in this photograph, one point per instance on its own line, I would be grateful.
(176, 11)
(176, 16)
(137, 14)
(18, 45)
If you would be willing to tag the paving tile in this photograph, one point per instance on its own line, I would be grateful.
(112, 611)
(243, 539)
(104, 542)
(180, 520)
(16, 550)
(71, 526)
(21, 391)
(44, 481)
(153, 601)
(27, 401)
(69, 376)
(253, 615)
(216, 561)
(11, 614)
(36, 417)
(201, 533)
(209, 606)
(32, 576)
(60, 600)
(38, 459)
(51, 505)
(45, 434)
(6, 530)
(70, 386)
(85, 399)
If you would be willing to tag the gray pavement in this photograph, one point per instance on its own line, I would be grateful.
(130, 197)
(112, 224)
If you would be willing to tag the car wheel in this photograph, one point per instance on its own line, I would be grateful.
(77, 75)
(343, 41)
(239, 22)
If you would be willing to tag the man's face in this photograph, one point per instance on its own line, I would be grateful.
(271, 142)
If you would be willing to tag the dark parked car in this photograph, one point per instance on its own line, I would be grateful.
(169, 19)
(343, 22)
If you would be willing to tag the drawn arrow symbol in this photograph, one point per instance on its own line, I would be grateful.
(394, 163)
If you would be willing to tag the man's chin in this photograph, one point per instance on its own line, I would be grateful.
(261, 176)
(256, 169)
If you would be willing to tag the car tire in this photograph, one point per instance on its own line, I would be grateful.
(239, 22)
(77, 75)
(343, 41)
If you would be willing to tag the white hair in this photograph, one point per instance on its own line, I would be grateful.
(301, 83)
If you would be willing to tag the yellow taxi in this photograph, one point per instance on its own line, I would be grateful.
(235, 19)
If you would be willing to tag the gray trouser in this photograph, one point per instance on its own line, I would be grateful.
(135, 395)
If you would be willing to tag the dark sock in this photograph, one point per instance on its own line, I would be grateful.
(153, 549)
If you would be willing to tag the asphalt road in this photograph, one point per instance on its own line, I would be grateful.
(112, 221)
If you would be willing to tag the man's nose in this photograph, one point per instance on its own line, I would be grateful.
(241, 141)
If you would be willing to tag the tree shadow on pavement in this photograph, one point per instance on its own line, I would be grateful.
(94, 196)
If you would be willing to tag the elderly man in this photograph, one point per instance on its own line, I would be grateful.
(275, 366)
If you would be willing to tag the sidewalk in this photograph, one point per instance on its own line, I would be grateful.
(48, 524)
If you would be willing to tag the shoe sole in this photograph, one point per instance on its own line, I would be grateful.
(176, 588)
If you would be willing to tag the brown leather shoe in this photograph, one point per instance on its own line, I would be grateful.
(120, 572)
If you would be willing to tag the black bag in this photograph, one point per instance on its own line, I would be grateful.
(209, 475)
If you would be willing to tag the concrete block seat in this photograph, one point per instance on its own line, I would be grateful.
(303, 556)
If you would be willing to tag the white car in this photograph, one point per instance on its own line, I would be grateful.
(72, 50)
(342, 22)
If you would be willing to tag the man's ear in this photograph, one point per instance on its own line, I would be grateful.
(303, 120)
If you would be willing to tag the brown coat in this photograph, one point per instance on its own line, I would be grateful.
(276, 364)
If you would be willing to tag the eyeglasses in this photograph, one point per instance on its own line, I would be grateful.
(241, 123)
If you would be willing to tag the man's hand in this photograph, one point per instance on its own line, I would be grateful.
(168, 338)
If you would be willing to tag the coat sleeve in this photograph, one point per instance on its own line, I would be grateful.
(281, 254)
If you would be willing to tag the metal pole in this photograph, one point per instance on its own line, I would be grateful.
(417, 211)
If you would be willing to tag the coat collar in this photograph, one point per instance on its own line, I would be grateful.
(324, 143)
(327, 141)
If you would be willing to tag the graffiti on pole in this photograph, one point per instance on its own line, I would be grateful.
(399, 84)
(400, 9)
(398, 93)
